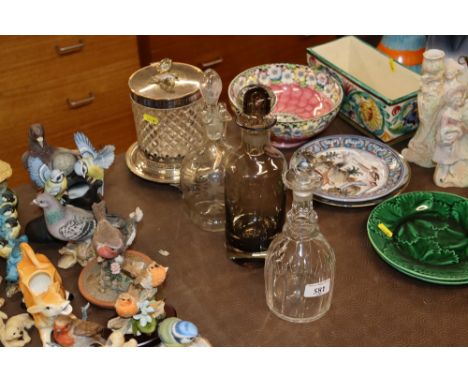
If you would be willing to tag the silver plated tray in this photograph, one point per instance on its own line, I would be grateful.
(138, 163)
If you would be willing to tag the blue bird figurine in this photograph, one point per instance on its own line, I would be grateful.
(52, 181)
(92, 164)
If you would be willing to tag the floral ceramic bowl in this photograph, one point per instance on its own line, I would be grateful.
(307, 99)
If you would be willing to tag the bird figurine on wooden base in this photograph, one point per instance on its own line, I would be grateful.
(66, 223)
(70, 331)
(108, 241)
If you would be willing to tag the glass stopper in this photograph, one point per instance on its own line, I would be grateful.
(211, 87)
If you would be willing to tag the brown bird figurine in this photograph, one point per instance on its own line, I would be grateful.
(70, 331)
(108, 241)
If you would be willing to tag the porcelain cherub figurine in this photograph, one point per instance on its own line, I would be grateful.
(430, 101)
(451, 149)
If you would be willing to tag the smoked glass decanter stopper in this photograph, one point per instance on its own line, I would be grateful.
(202, 171)
(300, 264)
(255, 194)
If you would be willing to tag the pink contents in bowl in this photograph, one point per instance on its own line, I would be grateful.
(302, 102)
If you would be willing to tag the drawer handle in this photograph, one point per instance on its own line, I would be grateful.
(209, 64)
(62, 51)
(81, 102)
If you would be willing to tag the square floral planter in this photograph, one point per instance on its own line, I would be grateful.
(380, 95)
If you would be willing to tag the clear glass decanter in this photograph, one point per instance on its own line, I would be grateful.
(255, 194)
(202, 171)
(300, 264)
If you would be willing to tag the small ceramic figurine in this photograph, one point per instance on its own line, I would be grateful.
(43, 292)
(108, 241)
(52, 181)
(116, 268)
(430, 101)
(451, 150)
(14, 332)
(92, 163)
(85, 251)
(126, 305)
(137, 316)
(71, 331)
(152, 276)
(110, 245)
(174, 332)
(56, 158)
(66, 223)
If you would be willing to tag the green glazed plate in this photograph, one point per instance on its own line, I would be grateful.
(423, 235)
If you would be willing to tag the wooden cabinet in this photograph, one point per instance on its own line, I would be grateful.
(228, 55)
(68, 84)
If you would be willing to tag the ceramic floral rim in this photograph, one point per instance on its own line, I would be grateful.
(380, 150)
(303, 75)
(386, 248)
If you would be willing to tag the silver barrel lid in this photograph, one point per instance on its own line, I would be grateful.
(166, 85)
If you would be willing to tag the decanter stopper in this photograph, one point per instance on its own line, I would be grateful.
(257, 103)
(214, 115)
(302, 181)
(211, 87)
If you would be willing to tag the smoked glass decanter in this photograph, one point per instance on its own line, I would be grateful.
(202, 171)
(255, 194)
(300, 264)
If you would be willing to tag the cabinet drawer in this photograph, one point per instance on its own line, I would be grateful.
(30, 61)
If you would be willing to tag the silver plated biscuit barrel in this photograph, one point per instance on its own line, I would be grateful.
(166, 102)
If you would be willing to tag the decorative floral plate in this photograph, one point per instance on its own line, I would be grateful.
(307, 99)
(424, 235)
(354, 169)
